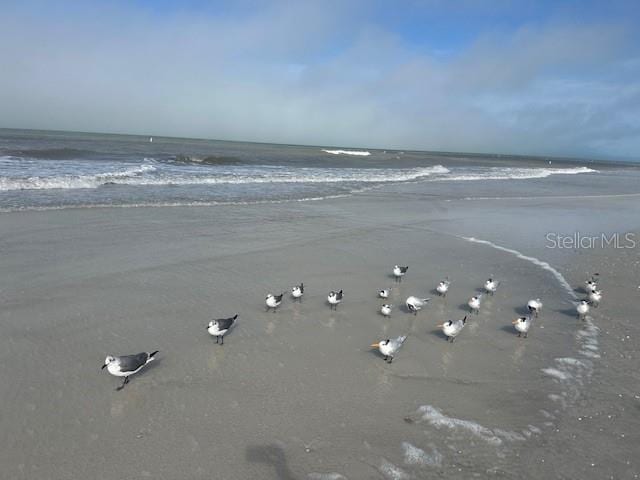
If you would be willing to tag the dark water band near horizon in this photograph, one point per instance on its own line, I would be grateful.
(52, 170)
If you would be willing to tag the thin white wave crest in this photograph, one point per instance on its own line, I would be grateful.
(137, 177)
(74, 181)
(359, 153)
(514, 173)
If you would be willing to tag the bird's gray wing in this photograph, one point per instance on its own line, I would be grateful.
(130, 363)
(225, 323)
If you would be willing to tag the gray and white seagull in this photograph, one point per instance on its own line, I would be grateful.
(127, 365)
(219, 328)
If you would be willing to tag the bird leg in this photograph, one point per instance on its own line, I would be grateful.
(222, 339)
(390, 360)
(126, 380)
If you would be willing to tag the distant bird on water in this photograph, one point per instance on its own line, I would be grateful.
(386, 310)
(298, 291)
(399, 272)
(415, 304)
(334, 299)
(273, 301)
(534, 306)
(522, 325)
(127, 365)
(219, 328)
(389, 347)
(453, 328)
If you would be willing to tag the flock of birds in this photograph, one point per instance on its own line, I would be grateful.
(127, 365)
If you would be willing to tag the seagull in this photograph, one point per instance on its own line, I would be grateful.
(127, 365)
(384, 293)
(474, 304)
(534, 307)
(582, 308)
(273, 301)
(443, 287)
(334, 299)
(414, 304)
(490, 286)
(399, 272)
(298, 291)
(522, 325)
(451, 329)
(389, 347)
(594, 298)
(219, 328)
(386, 310)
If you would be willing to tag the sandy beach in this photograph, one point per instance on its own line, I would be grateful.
(298, 394)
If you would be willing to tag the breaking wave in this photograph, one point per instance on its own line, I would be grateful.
(359, 153)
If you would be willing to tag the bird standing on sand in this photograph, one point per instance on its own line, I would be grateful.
(474, 304)
(490, 286)
(451, 329)
(534, 306)
(273, 301)
(399, 272)
(334, 299)
(389, 347)
(522, 325)
(386, 310)
(127, 365)
(443, 287)
(594, 298)
(384, 293)
(298, 291)
(219, 328)
(582, 308)
(592, 283)
(415, 304)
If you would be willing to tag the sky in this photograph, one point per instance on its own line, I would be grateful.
(555, 78)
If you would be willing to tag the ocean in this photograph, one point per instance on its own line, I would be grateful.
(52, 170)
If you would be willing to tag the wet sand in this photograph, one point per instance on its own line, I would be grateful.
(298, 393)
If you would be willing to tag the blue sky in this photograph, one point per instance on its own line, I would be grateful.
(528, 77)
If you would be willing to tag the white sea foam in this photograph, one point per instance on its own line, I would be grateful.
(535, 261)
(359, 153)
(514, 173)
(416, 456)
(392, 472)
(555, 373)
(326, 476)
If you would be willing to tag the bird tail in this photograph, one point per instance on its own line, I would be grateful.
(235, 316)
(402, 339)
(153, 354)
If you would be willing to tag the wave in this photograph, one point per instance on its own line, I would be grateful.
(73, 181)
(135, 177)
(360, 153)
(513, 173)
(207, 160)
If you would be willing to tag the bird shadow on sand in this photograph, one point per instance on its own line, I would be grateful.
(436, 332)
(569, 312)
(581, 290)
(509, 329)
(272, 455)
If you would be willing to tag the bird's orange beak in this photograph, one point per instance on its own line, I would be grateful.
(514, 322)
(440, 325)
(375, 345)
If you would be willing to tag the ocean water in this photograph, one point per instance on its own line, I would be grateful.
(40, 170)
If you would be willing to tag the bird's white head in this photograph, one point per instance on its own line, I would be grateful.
(109, 360)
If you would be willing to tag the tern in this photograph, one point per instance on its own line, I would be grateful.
(534, 306)
(582, 308)
(219, 328)
(522, 325)
(474, 304)
(399, 272)
(384, 293)
(386, 310)
(451, 329)
(594, 297)
(127, 365)
(490, 286)
(443, 287)
(592, 283)
(414, 304)
(389, 347)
